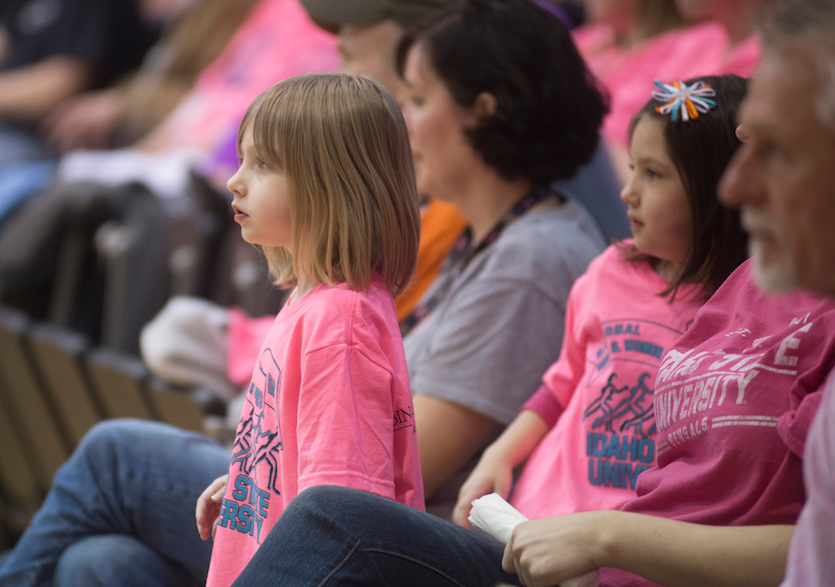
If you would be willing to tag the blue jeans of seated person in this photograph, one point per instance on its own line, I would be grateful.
(121, 512)
(333, 536)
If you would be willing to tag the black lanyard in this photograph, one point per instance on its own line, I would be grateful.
(464, 251)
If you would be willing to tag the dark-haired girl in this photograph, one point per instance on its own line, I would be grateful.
(590, 430)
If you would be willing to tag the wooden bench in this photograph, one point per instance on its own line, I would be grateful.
(53, 388)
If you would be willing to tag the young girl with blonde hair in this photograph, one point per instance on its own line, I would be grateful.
(326, 188)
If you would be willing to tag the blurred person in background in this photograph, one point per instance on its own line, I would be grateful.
(51, 50)
(193, 36)
(630, 43)
(140, 188)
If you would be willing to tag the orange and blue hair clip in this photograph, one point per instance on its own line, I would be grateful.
(683, 102)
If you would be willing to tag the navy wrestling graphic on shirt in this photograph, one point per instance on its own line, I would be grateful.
(621, 422)
(256, 451)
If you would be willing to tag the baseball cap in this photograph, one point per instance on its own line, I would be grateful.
(331, 14)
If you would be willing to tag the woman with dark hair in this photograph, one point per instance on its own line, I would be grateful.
(489, 57)
(499, 106)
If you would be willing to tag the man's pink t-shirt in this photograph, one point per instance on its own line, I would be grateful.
(617, 330)
(329, 404)
(734, 401)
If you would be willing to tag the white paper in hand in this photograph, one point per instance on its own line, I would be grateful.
(494, 515)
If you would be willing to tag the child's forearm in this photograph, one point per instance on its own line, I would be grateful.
(519, 439)
(449, 435)
(494, 472)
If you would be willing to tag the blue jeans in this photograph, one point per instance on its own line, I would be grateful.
(333, 536)
(121, 512)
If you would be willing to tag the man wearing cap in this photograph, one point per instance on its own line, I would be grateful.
(369, 31)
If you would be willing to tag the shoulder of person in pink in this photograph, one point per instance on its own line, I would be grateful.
(604, 380)
(743, 385)
(706, 49)
(594, 41)
(752, 387)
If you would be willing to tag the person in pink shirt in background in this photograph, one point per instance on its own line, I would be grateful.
(628, 44)
(729, 43)
(278, 40)
(624, 43)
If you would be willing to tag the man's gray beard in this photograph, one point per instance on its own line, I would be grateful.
(779, 277)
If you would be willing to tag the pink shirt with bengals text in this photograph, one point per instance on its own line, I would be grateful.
(734, 401)
(617, 329)
(329, 404)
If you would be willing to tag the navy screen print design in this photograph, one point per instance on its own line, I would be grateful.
(620, 435)
(257, 448)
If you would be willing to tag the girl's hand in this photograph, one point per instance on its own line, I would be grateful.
(208, 507)
(493, 473)
(550, 550)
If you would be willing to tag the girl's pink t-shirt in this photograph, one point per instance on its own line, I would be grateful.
(617, 330)
(329, 404)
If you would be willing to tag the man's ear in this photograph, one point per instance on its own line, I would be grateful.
(485, 105)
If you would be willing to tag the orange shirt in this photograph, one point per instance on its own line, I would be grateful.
(441, 224)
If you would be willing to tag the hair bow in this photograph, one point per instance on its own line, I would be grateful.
(682, 101)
